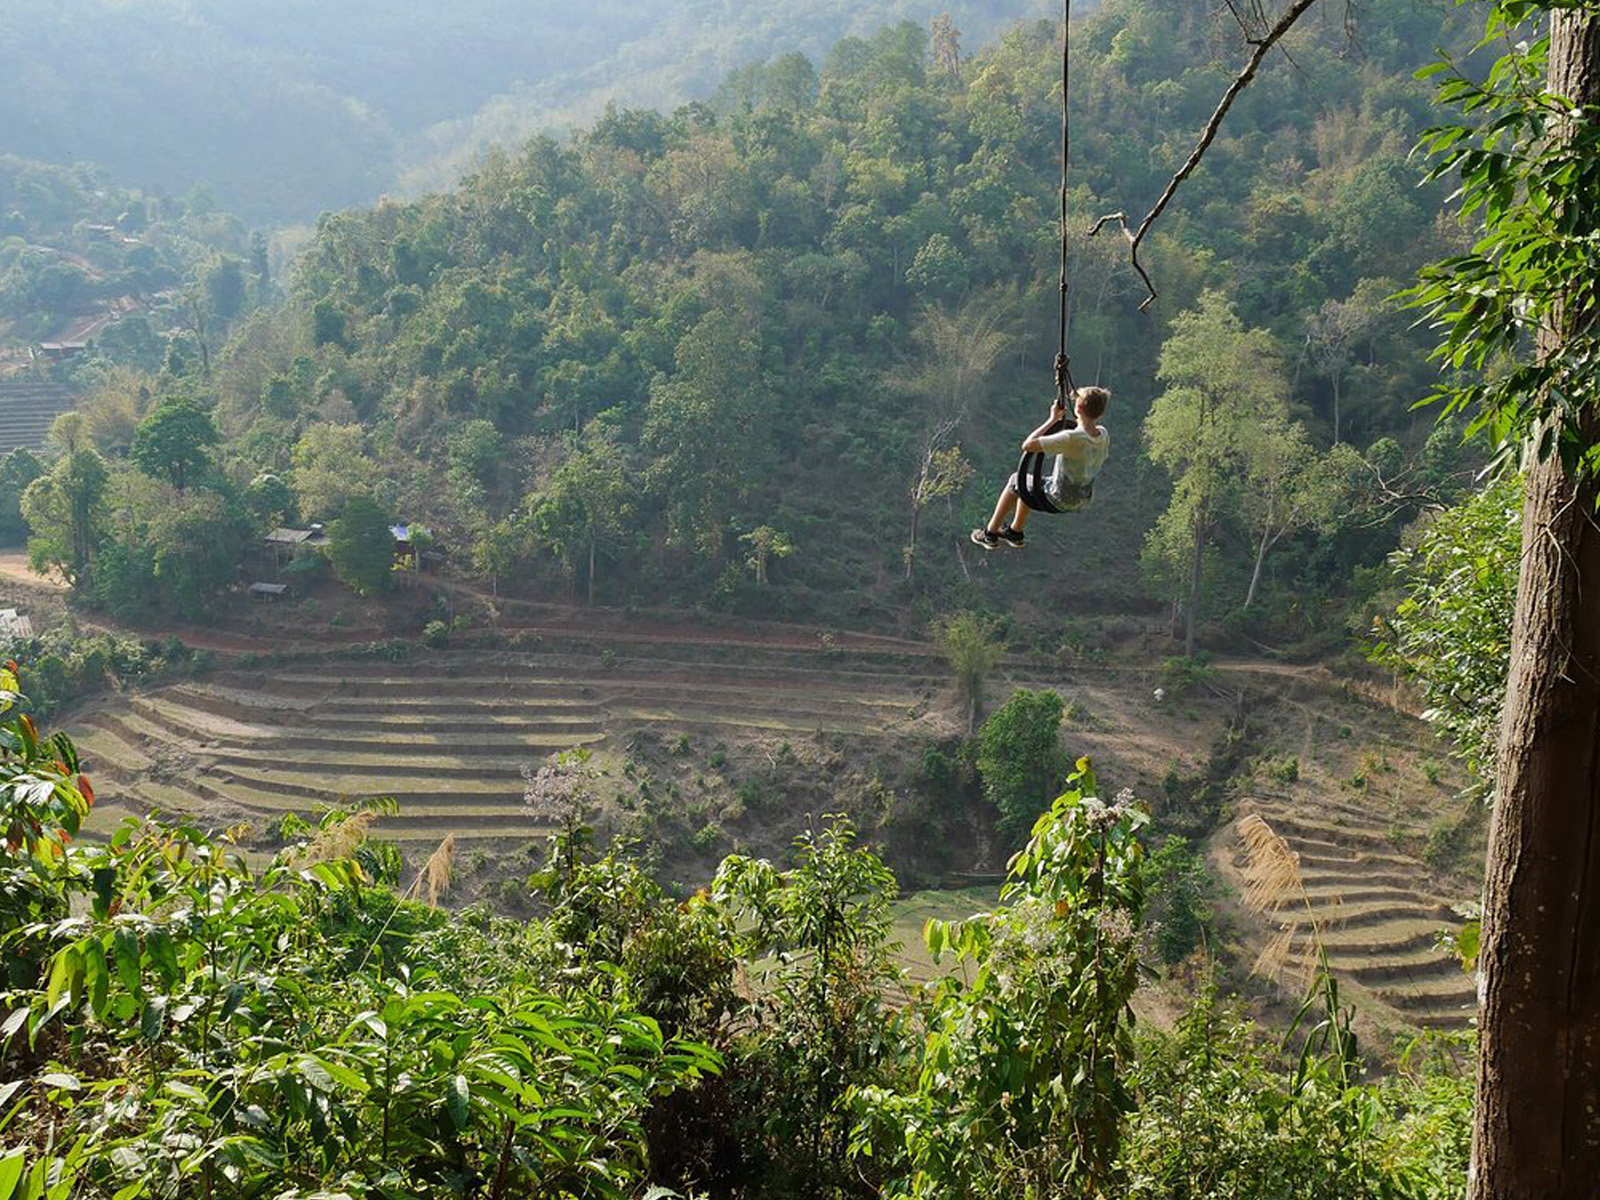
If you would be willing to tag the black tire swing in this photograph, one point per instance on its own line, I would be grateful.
(1031, 486)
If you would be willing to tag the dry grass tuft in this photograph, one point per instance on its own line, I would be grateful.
(336, 841)
(1272, 879)
(1273, 886)
(1276, 956)
(438, 871)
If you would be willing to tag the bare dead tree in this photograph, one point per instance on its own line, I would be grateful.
(1262, 46)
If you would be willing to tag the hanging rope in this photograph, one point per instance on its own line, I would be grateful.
(1031, 484)
(1064, 386)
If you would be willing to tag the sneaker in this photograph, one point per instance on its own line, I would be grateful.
(982, 537)
(1012, 537)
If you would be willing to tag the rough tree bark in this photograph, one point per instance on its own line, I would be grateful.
(1197, 570)
(1536, 1128)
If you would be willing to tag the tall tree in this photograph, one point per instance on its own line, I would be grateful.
(195, 546)
(943, 473)
(946, 46)
(972, 649)
(173, 441)
(361, 547)
(66, 510)
(1332, 334)
(704, 428)
(766, 544)
(1286, 486)
(1020, 760)
(587, 510)
(17, 470)
(1221, 379)
(954, 356)
(1451, 632)
(331, 465)
(1528, 291)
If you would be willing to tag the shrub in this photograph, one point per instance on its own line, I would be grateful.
(1180, 674)
(1180, 899)
(708, 838)
(1020, 760)
(1284, 770)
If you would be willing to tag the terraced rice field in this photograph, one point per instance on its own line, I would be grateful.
(27, 409)
(450, 737)
(1379, 912)
(451, 740)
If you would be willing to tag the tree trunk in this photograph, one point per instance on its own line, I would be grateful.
(1336, 406)
(1536, 1127)
(1196, 571)
(591, 566)
(911, 548)
(1255, 575)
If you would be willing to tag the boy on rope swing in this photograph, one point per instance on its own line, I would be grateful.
(1080, 452)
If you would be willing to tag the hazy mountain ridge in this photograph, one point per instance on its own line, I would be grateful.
(289, 109)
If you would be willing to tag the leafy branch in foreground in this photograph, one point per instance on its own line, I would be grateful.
(1531, 173)
(1022, 1088)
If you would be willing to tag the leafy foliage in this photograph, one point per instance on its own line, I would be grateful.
(1452, 631)
(972, 649)
(1020, 760)
(793, 300)
(1022, 1084)
(1530, 171)
(1181, 891)
(172, 442)
(1217, 1118)
(361, 547)
(827, 1025)
(178, 1021)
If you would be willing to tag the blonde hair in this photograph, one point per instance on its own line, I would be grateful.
(1094, 401)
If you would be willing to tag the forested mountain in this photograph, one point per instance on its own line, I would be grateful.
(288, 109)
(807, 311)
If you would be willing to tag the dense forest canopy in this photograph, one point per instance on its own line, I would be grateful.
(579, 320)
(678, 355)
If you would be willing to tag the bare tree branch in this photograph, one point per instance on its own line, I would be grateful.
(1263, 46)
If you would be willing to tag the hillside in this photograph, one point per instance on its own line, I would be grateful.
(706, 742)
(615, 366)
(87, 261)
(287, 110)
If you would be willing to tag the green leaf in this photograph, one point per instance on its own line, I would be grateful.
(97, 975)
(60, 980)
(153, 1020)
(103, 880)
(125, 949)
(315, 1072)
(128, 1161)
(11, 1168)
(457, 1101)
(14, 1022)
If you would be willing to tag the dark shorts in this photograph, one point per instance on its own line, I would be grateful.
(1069, 499)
